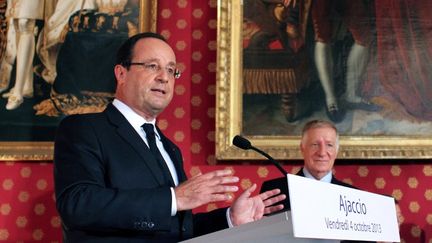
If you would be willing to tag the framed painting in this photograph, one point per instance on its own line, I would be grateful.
(371, 76)
(69, 70)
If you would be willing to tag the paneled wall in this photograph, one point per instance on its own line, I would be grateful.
(27, 210)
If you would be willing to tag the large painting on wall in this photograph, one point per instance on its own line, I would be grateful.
(364, 65)
(56, 59)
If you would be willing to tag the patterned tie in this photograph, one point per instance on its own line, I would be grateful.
(151, 139)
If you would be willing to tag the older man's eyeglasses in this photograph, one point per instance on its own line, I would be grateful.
(155, 68)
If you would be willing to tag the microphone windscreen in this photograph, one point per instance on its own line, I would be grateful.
(241, 142)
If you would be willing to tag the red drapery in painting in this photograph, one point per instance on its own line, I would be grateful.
(404, 49)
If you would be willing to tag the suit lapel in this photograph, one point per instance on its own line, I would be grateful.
(300, 172)
(175, 155)
(128, 133)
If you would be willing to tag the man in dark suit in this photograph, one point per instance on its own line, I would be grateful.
(119, 179)
(319, 146)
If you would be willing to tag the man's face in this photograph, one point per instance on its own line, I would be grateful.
(147, 89)
(319, 149)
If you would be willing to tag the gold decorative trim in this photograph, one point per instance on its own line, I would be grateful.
(148, 15)
(68, 104)
(43, 151)
(33, 151)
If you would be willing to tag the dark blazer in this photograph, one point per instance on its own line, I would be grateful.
(282, 184)
(109, 187)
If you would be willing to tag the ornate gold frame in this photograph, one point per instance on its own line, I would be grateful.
(229, 109)
(43, 151)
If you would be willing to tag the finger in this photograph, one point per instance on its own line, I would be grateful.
(195, 176)
(215, 182)
(274, 200)
(272, 209)
(226, 179)
(220, 197)
(217, 173)
(248, 192)
(223, 189)
(252, 188)
(219, 176)
(268, 194)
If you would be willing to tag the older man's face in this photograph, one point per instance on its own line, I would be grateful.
(319, 148)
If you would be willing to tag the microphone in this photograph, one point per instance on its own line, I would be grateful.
(245, 144)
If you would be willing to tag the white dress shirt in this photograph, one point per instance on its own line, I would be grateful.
(137, 121)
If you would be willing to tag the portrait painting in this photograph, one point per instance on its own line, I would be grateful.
(57, 59)
(362, 64)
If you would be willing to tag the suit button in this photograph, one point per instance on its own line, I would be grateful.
(183, 229)
(150, 225)
(137, 225)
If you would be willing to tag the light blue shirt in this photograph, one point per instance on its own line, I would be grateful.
(327, 178)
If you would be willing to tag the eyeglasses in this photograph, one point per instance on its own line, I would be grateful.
(155, 68)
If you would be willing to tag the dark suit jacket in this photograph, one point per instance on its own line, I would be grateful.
(282, 184)
(110, 188)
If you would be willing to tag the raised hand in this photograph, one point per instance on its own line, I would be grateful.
(205, 188)
(246, 209)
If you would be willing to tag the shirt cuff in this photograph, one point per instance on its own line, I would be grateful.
(173, 202)
(228, 217)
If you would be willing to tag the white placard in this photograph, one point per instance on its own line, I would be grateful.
(327, 211)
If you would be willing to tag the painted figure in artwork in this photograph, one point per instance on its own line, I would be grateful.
(355, 16)
(22, 15)
(315, 26)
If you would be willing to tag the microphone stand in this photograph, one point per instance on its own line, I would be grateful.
(280, 168)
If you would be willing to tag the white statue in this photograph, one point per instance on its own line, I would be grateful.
(22, 15)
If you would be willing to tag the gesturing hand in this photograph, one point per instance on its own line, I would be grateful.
(247, 209)
(205, 188)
